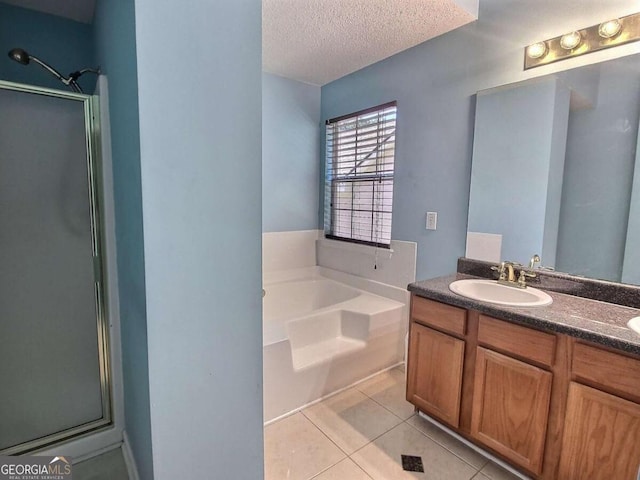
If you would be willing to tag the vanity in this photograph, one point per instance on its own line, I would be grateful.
(553, 390)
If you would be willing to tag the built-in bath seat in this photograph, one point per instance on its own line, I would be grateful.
(321, 337)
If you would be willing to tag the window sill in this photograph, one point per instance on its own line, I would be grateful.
(356, 247)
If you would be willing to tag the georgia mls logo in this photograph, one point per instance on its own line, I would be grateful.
(60, 466)
(35, 468)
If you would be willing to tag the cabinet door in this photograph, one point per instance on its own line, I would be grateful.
(601, 438)
(510, 408)
(435, 373)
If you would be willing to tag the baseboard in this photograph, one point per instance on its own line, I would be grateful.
(129, 459)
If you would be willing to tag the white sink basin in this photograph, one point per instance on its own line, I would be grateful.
(634, 324)
(492, 292)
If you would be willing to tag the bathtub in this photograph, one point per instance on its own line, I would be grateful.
(325, 330)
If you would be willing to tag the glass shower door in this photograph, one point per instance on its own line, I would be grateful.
(54, 381)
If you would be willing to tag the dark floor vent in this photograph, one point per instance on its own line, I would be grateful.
(412, 464)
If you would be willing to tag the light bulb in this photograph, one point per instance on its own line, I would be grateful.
(537, 50)
(610, 29)
(570, 40)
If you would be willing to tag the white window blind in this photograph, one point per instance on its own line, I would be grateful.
(360, 151)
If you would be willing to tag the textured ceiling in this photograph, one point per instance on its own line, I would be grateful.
(318, 41)
(78, 10)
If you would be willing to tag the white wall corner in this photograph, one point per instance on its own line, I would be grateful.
(129, 459)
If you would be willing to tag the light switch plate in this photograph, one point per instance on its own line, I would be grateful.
(432, 220)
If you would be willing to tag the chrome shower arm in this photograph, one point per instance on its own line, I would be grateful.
(70, 82)
(50, 69)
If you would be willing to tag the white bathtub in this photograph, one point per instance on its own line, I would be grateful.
(324, 330)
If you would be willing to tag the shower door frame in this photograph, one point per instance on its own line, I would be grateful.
(95, 195)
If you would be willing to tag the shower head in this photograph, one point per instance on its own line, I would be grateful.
(22, 57)
(19, 55)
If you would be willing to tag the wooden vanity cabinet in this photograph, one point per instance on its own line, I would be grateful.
(557, 407)
(436, 359)
(601, 438)
(435, 373)
(511, 395)
(510, 408)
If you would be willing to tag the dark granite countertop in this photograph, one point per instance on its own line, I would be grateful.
(592, 320)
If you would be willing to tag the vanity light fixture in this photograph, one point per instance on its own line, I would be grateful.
(571, 40)
(610, 33)
(610, 29)
(537, 50)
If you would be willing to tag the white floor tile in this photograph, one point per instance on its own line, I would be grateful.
(388, 389)
(382, 458)
(351, 419)
(458, 448)
(296, 450)
(345, 470)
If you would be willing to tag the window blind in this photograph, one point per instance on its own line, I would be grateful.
(360, 152)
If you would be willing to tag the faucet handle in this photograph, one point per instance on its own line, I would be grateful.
(534, 259)
(501, 269)
(524, 274)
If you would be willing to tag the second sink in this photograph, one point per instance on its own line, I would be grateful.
(492, 292)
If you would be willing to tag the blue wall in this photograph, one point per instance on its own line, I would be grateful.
(518, 160)
(433, 141)
(631, 264)
(116, 50)
(290, 154)
(64, 44)
(599, 167)
(200, 145)
(434, 84)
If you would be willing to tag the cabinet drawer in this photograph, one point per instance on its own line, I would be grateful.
(608, 371)
(520, 341)
(435, 314)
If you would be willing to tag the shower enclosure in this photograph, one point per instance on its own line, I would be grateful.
(54, 371)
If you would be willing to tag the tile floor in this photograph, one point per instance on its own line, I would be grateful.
(358, 434)
(361, 433)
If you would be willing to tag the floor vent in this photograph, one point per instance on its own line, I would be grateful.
(412, 464)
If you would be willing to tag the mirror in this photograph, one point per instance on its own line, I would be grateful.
(556, 172)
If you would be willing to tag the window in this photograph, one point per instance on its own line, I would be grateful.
(359, 176)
